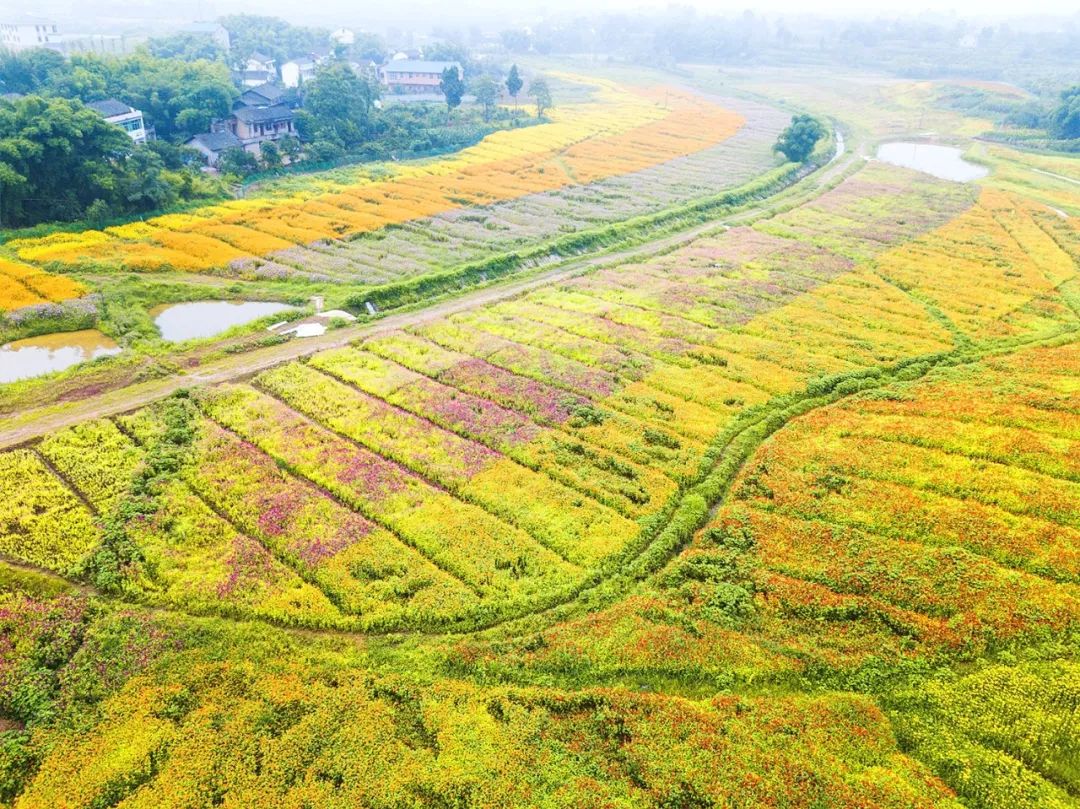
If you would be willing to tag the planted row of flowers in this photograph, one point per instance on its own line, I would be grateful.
(192, 557)
(22, 285)
(486, 555)
(364, 569)
(1016, 253)
(620, 132)
(629, 487)
(576, 526)
(595, 425)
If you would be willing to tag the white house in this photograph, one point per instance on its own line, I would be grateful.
(24, 32)
(120, 114)
(297, 71)
(259, 61)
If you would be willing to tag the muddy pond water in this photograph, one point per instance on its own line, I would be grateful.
(945, 162)
(188, 321)
(35, 356)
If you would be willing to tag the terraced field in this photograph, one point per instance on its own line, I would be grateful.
(785, 516)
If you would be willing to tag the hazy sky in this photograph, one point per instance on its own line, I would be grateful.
(491, 14)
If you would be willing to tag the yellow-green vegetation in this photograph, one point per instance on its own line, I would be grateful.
(786, 516)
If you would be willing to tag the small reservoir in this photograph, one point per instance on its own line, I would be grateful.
(189, 321)
(35, 356)
(946, 162)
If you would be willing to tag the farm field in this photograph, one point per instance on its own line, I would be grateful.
(22, 285)
(788, 515)
(616, 130)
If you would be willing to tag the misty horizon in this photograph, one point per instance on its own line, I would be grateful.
(149, 17)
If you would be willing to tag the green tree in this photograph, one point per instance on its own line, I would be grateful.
(541, 94)
(179, 98)
(454, 52)
(337, 106)
(189, 47)
(515, 40)
(30, 71)
(270, 155)
(487, 95)
(56, 158)
(144, 184)
(238, 162)
(290, 148)
(797, 142)
(368, 47)
(275, 37)
(1064, 120)
(514, 82)
(80, 81)
(453, 88)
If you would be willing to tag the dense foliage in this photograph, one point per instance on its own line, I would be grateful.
(178, 98)
(1063, 120)
(61, 160)
(797, 142)
(190, 47)
(271, 36)
(337, 106)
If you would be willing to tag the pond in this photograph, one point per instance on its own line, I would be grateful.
(945, 162)
(188, 321)
(35, 356)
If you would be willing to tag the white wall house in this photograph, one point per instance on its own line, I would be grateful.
(259, 61)
(120, 114)
(297, 71)
(29, 32)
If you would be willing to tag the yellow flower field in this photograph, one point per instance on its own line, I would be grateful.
(22, 285)
(622, 130)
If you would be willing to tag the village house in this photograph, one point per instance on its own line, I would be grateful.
(302, 68)
(263, 95)
(259, 61)
(411, 76)
(254, 125)
(212, 145)
(122, 115)
(257, 69)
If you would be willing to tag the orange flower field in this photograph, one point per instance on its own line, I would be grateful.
(22, 285)
(620, 130)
